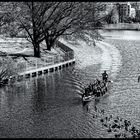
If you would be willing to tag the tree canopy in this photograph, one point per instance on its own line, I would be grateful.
(47, 21)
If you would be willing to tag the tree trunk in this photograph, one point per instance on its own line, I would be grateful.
(36, 50)
(49, 47)
(49, 43)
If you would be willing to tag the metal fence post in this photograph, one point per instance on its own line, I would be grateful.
(44, 62)
(36, 63)
(53, 59)
(16, 67)
(68, 56)
(25, 65)
(58, 58)
(64, 57)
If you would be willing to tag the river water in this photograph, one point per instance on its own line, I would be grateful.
(49, 106)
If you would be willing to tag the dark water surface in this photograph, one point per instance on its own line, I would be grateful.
(50, 105)
(47, 106)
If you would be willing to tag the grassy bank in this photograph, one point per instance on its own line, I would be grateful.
(19, 47)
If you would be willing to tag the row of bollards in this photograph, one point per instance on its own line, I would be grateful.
(34, 74)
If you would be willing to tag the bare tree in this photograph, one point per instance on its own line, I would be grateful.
(50, 20)
(71, 18)
(30, 17)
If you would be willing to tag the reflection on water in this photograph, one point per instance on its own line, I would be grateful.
(47, 106)
(117, 34)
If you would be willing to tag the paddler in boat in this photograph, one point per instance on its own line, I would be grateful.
(99, 91)
(105, 76)
(98, 88)
(105, 79)
(85, 93)
(90, 87)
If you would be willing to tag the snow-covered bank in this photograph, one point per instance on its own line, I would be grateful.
(85, 54)
(103, 53)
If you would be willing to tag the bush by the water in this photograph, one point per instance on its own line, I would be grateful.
(7, 69)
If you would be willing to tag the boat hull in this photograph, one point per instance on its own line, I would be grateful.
(93, 97)
(88, 99)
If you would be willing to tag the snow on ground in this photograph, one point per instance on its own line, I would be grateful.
(103, 53)
(85, 55)
(14, 39)
(20, 45)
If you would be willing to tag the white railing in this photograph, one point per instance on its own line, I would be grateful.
(38, 63)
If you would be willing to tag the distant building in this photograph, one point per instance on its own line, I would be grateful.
(138, 15)
(137, 7)
(124, 10)
(132, 13)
